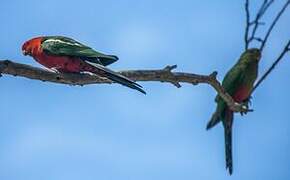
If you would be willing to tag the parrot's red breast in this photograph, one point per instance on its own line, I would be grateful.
(241, 94)
(63, 63)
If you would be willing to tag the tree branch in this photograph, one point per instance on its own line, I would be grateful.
(258, 18)
(161, 75)
(280, 57)
(246, 38)
(256, 22)
(273, 24)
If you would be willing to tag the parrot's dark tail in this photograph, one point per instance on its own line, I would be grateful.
(228, 146)
(228, 140)
(215, 119)
(103, 71)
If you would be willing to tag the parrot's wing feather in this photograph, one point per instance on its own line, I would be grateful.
(231, 84)
(232, 81)
(63, 46)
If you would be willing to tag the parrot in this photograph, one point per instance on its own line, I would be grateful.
(66, 55)
(238, 82)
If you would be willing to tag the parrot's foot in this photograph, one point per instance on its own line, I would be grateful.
(246, 106)
(93, 74)
(246, 103)
(88, 73)
(53, 69)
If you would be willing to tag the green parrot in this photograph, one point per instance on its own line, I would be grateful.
(238, 82)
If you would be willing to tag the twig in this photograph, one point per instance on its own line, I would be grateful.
(247, 25)
(286, 49)
(256, 22)
(273, 25)
(259, 15)
(161, 75)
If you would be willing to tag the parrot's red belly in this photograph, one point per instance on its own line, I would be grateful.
(63, 63)
(242, 94)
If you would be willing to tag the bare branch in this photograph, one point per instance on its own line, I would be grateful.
(256, 22)
(161, 75)
(286, 49)
(273, 24)
(247, 25)
(259, 15)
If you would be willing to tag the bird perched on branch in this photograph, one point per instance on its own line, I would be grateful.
(238, 82)
(65, 54)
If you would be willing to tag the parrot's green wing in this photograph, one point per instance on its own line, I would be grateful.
(64, 46)
(232, 81)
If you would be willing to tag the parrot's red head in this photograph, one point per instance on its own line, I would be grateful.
(32, 46)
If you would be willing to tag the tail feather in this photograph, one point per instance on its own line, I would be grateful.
(215, 119)
(228, 140)
(116, 77)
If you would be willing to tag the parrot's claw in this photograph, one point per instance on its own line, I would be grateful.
(93, 74)
(246, 103)
(88, 73)
(245, 106)
(53, 69)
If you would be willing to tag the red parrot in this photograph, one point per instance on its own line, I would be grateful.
(238, 82)
(68, 55)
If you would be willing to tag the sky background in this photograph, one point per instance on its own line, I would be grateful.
(109, 132)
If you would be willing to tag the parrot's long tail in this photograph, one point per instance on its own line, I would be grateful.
(103, 71)
(228, 139)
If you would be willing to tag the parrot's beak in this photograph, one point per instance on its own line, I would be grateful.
(25, 53)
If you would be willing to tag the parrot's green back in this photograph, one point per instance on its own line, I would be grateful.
(65, 46)
(238, 83)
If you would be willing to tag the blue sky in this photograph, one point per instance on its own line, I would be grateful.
(108, 132)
